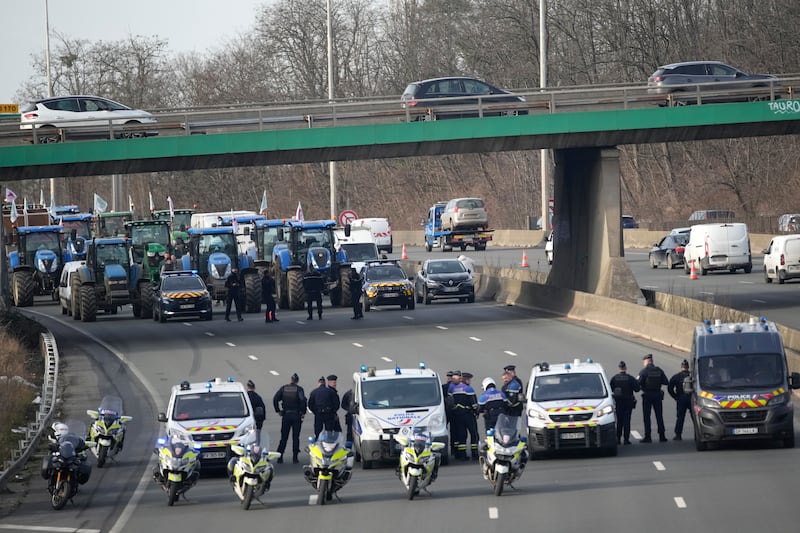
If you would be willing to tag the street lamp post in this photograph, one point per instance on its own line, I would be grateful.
(49, 81)
(543, 84)
(331, 164)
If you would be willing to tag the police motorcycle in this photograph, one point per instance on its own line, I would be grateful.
(178, 467)
(107, 429)
(66, 466)
(251, 471)
(505, 453)
(331, 464)
(419, 460)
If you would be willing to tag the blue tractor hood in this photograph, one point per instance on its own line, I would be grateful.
(46, 261)
(319, 258)
(116, 272)
(219, 265)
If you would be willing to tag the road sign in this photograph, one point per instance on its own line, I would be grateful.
(9, 108)
(347, 216)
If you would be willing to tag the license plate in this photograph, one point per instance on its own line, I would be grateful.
(745, 431)
(570, 436)
(451, 289)
(214, 455)
(187, 306)
(391, 294)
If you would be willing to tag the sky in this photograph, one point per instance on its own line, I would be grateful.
(187, 25)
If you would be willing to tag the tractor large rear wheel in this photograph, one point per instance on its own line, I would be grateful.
(23, 288)
(75, 299)
(88, 298)
(252, 293)
(146, 299)
(282, 289)
(297, 295)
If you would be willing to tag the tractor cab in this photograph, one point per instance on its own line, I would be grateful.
(113, 224)
(145, 232)
(104, 282)
(77, 231)
(36, 263)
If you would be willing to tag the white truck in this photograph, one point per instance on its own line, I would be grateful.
(359, 247)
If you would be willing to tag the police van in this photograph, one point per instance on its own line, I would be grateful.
(740, 384)
(385, 401)
(570, 406)
(215, 414)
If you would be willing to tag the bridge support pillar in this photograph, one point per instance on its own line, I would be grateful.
(589, 254)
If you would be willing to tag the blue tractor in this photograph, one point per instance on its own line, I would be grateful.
(36, 264)
(213, 252)
(104, 282)
(77, 232)
(304, 245)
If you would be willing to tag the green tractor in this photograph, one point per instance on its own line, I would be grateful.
(112, 224)
(150, 245)
(103, 283)
(180, 224)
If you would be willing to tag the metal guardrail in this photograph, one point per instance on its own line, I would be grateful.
(34, 430)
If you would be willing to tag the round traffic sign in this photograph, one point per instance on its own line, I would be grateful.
(347, 216)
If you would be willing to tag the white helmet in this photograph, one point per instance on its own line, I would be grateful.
(60, 429)
(486, 382)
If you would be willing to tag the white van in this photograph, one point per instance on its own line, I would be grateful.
(359, 247)
(385, 401)
(65, 286)
(381, 231)
(782, 258)
(718, 247)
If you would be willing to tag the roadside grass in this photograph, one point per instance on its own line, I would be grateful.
(19, 358)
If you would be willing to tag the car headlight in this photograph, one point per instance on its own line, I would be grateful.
(432, 284)
(181, 434)
(373, 425)
(436, 421)
(707, 402)
(539, 415)
(607, 410)
(778, 400)
(242, 430)
(372, 292)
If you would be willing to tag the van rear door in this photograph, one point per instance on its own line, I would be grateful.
(736, 244)
(791, 254)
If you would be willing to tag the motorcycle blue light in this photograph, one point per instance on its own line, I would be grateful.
(589, 360)
(397, 370)
(197, 446)
(363, 368)
(311, 440)
(162, 441)
(230, 379)
(567, 366)
(208, 385)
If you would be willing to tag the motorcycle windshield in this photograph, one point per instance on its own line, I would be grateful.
(505, 430)
(110, 406)
(329, 441)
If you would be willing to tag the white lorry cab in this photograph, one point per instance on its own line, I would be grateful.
(359, 247)
(214, 415)
(385, 401)
(718, 247)
(570, 406)
(381, 231)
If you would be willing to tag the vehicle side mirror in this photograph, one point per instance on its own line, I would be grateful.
(688, 384)
(347, 229)
(280, 234)
(765, 251)
(162, 417)
(794, 380)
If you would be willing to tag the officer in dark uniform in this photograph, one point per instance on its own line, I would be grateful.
(313, 285)
(268, 296)
(232, 283)
(463, 408)
(259, 409)
(512, 388)
(491, 404)
(683, 400)
(512, 369)
(651, 378)
(290, 403)
(448, 409)
(347, 406)
(623, 385)
(356, 286)
(324, 403)
(472, 426)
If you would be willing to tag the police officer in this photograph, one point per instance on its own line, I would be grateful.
(651, 378)
(355, 293)
(448, 409)
(259, 409)
(232, 283)
(324, 403)
(623, 385)
(491, 404)
(472, 426)
(312, 284)
(512, 370)
(347, 405)
(268, 296)
(463, 397)
(683, 400)
(290, 403)
(512, 388)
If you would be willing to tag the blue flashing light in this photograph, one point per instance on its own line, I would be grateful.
(208, 385)
(765, 327)
(707, 321)
(490, 433)
(710, 329)
(589, 360)
(230, 379)
(311, 440)
(397, 370)
(363, 368)
(567, 366)
(195, 272)
(197, 446)
(763, 320)
(422, 365)
(162, 441)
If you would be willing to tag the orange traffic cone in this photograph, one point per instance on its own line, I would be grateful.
(693, 272)
(525, 259)
(403, 254)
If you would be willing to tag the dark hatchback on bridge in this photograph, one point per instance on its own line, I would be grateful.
(730, 83)
(460, 97)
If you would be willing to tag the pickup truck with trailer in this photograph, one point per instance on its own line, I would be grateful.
(446, 240)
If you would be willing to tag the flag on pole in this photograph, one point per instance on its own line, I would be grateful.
(25, 211)
(41, 198)
(263, 203)
(52, 203)
(299, 213)
(152, 205)
(11, 196)
(14, 214)
(130, 203)
(171, 208)
(100, 205)
(234, 223)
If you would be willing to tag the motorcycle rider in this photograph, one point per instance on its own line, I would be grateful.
(324, 403)
(623, 385)
(259, 409)
(290, 403)
(683, 400)
(492, 403)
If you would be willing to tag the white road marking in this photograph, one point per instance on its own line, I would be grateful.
(707, 293)
(759, 301)
(274, 373)
(312, 499)
(636, 435)
(231, 344)
(253, 357)
(680, 502)
(301, 321)
(476, 339)
(659, 466)
(188, 324)
(388, 360)
(509, 352)
(746, 282)
(330, 333)
(493, 514)
(50, 528)
(408, 317)
(357, 345)
(209, 334)
(441, 327)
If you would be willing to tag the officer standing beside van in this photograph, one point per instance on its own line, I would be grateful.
(651, 378)
(623, 385)
(682, 399)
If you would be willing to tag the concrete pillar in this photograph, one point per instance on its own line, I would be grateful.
(588, 244)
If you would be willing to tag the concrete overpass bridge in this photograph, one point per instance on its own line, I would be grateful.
(584, 143)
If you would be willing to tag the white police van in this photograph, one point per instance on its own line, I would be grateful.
(385, 401)
(214, 414)
(570, 406)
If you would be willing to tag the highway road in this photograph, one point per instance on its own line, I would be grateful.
(660, 487)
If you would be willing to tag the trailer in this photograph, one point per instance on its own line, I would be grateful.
(447, 240)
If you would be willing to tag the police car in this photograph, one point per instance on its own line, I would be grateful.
(385, 283)
(215, 414)
(180, 294)
(385, 401)
(570, 406)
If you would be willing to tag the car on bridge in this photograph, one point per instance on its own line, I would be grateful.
(472, 96)
(691, 76)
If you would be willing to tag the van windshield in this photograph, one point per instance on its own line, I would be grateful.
(401, 393)
(204, 405)
(568, 386)
(740, 372)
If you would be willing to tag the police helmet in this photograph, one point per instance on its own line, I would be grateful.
(60, 429)
(487, 382)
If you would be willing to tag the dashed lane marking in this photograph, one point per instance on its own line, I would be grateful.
(209, 334)
(476, 339)
(680, 502)
(330, 333)
(659, 466)
(636, 435)
(49, 529)
(253, 357)
(408, 317)
(358, 345)
(759, 301)
(231, 344)
(188, 324)
(493, 513)
(274, 373)
(509, 352)
(707, 293)
(387, 359)
(441, 327)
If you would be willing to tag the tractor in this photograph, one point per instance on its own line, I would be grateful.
(77, 230)
(103, 283)
(112, 224)
(150, 244)
(212, 253)
(36, 263)
(179, 224)
(265, 237)
(310, 244)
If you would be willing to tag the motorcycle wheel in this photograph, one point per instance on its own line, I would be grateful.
(412, 487)
(172, 494)
(60, 495)
(499, 483)
(102, 453)
(247, 497)
(322, 489)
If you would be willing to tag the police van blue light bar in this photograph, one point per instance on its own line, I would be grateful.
(397, 370)
(363, 368)
(422, 365)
